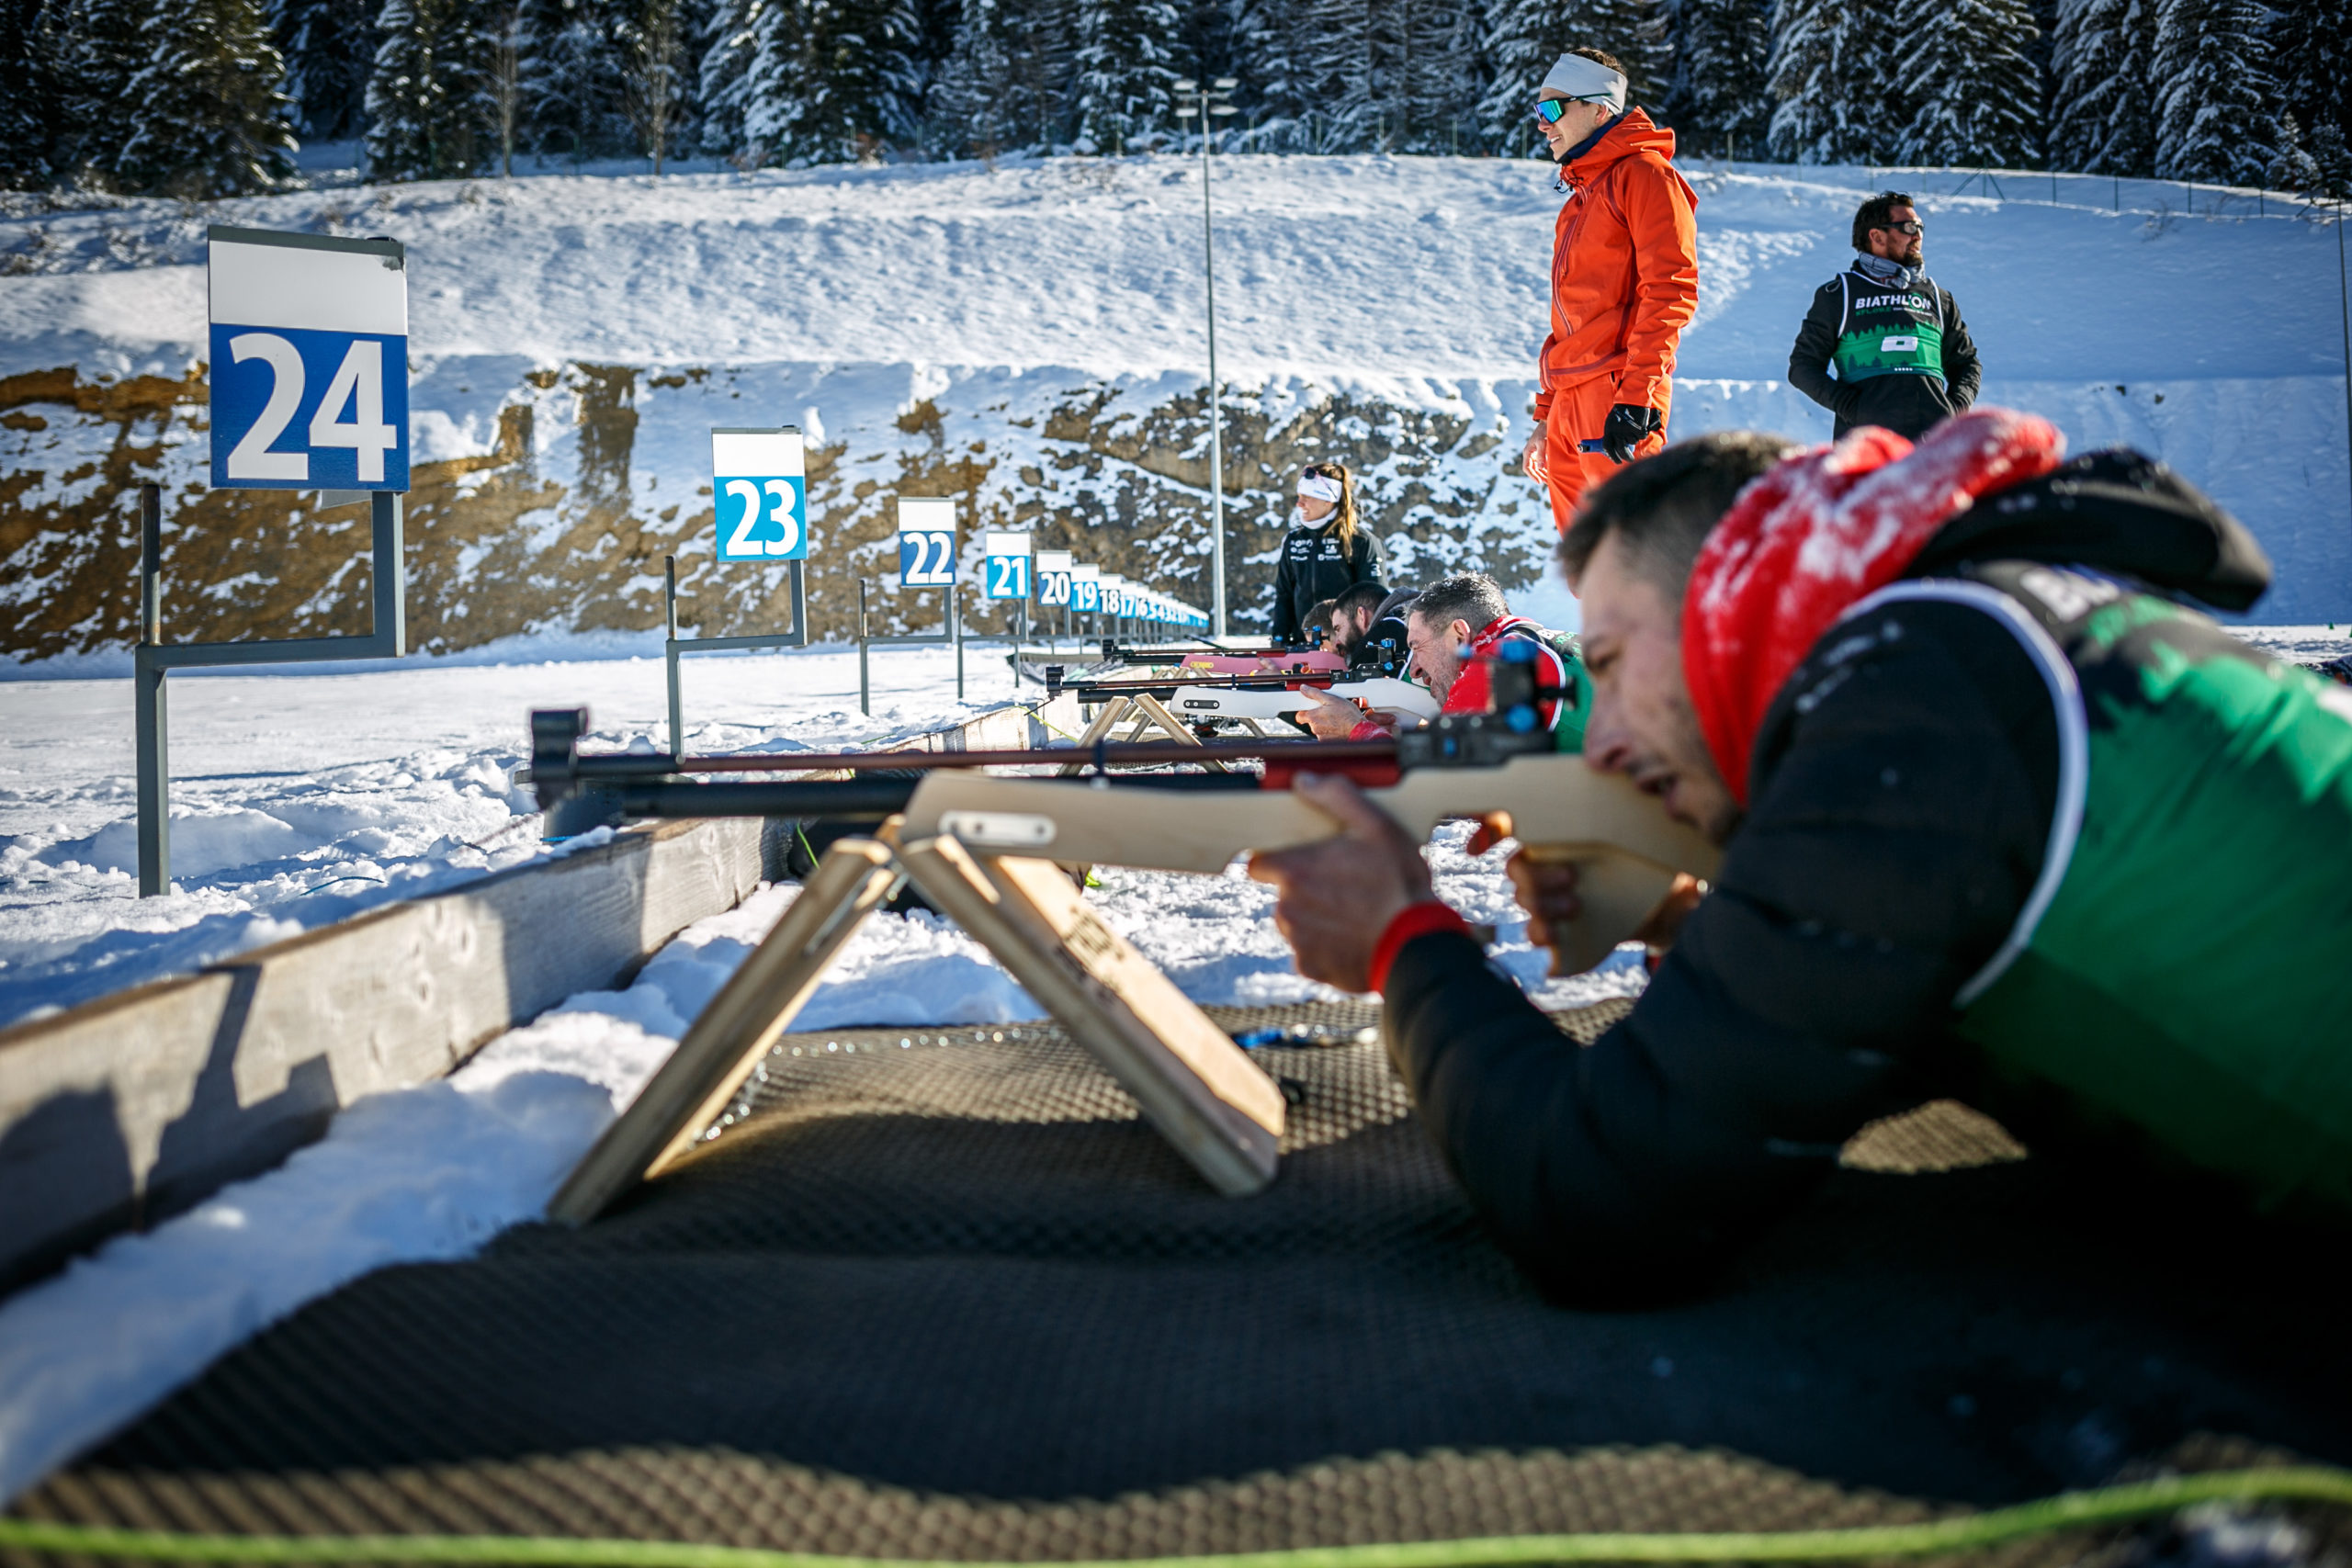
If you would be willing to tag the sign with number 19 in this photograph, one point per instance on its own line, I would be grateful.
(760, 486)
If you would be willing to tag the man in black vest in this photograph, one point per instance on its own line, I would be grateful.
(1366, 630)
(1903, 355)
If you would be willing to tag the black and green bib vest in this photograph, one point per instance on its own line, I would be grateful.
(1886, 330)
(2183, 965)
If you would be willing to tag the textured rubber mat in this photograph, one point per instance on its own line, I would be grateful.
(940, 1293)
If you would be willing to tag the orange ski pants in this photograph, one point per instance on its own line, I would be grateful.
(1578, 415)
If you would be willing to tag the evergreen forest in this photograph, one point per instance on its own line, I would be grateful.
(203, 99)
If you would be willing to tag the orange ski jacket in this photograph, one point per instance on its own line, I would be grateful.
(1624, 267)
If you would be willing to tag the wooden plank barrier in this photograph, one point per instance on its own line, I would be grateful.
(141, 1105)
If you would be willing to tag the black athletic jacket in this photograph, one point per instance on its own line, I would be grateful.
(1898, 815)
(1905, 403)
(1313, 569)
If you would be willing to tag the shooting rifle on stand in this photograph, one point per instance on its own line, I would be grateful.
(983, 850)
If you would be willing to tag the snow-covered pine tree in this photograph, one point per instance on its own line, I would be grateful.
(329, 47)
(1438, 87)
(1524, 36)
(2102, 94)
(817, 81)
(1254, 47)
(1007, 84)
(1333, 74)
(28, 113)
(1978, 97)
(2311, 51)
(92, 49)
(1717, 95)
(2213, 120)
(2332, 157)
(726, 50)
(209, 111)
(1125, 60)
(428, 99)
(1835, 98)
(656, 80)
(573, 65)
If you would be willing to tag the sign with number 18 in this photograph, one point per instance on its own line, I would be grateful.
(759, 487)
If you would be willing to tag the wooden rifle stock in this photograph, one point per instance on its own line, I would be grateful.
(1626, 850)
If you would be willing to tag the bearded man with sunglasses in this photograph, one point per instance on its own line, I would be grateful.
(1903, 355)
(1624, 281)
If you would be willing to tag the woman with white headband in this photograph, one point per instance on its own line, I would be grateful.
(1327, 551)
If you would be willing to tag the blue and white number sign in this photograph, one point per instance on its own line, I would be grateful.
(1005, 568)
(308, 361)
(758, 482)
(926, 541)
(1086, 589)
(1053, 578)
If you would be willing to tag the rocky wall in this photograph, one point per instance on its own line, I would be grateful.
(544, 498)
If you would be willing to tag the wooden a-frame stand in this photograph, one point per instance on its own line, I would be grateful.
(1193, 1084)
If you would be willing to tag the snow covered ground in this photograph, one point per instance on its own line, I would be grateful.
(302, 797)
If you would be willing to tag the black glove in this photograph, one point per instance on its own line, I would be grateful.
(1629, 425)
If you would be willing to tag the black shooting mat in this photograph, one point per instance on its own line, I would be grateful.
(938, 1293)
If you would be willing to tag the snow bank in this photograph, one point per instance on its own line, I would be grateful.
(303, 797)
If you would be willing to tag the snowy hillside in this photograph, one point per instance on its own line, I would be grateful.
(1046, 317)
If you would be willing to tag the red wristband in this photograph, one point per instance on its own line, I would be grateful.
(1414, 920)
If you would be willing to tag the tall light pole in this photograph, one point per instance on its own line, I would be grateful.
(1211, 102)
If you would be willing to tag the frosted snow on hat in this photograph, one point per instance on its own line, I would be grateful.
(1588, 80)
(1318, 487)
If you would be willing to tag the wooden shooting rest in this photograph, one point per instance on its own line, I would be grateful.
(969, 843)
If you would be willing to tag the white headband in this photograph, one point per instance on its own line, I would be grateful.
(1588, 80)
(1317, 487)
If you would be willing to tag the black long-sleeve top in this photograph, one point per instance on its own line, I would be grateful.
(1314, 568)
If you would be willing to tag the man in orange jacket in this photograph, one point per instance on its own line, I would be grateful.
(1624, 281)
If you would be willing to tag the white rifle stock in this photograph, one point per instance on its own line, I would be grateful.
(1626, 850)
(1382, 694)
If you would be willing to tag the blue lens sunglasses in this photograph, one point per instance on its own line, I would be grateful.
(1549, 111)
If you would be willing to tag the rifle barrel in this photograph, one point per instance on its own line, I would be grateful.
(617, 766)
(852, 800)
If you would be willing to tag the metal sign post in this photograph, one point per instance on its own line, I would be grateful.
(1005, 575)
(1053, 588)
(926, 559)
(309, 371)
(759, 489)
